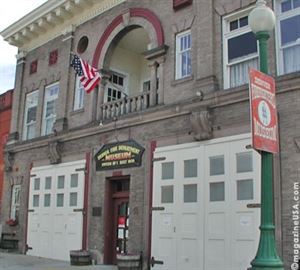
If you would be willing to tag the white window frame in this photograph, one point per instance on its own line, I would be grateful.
(124, 89)
(178, 60)
(227, 34)
(15, 201)
(79, 95)
(29, 103)
(281, 16)
(48, 98)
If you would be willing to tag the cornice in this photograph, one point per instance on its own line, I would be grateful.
(51, 19)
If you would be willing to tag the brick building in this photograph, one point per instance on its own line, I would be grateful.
(5, 116)
(154, 160)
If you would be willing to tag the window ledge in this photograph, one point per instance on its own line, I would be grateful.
(183, 80)
(77, 111)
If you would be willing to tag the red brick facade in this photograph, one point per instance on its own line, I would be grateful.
(5, 116)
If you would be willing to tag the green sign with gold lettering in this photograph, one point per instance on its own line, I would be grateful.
(119, 155)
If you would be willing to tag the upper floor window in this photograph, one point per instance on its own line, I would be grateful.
(30, 115)
(53, 56)
(78, 95)
(116, 87)
(49, 113)
(288, 25)
(183, 55)
(33, 67)
(240, 50)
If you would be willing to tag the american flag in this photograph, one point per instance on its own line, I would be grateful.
(89, 76)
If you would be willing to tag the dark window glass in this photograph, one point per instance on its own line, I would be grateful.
(119, 95)
(82, 44)
(31, 114)
(233, 25)
(290, 29)
(33, 67)
(286, 6)
(53, 57)
(242, 45)
(121, 81)
(243, 21)
(109, 92)
(115, 79)
(50, 108)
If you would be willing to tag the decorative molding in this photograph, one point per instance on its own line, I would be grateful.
(49, 20)
(54, 154)
(178, 4)
(155, 53)
(201, 125)
(8, 161)
(143, 13)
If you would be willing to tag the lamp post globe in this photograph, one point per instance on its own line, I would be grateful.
(261, 18)
(262, 21)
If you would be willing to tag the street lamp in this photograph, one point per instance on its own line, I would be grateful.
(262, 21)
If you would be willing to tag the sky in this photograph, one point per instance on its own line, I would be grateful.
(12, 11)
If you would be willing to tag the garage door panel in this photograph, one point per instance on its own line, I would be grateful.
(53, 219)
(188, 255)
(212, 184)
(243, 248)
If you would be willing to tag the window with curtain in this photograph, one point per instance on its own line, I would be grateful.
(288, 33)
(49, 112)
(78, 95)
(240, 50)
(29, 130)
(183, 54)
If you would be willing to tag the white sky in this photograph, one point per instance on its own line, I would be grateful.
(11, 12)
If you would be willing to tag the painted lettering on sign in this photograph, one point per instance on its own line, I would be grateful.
(263, 112)
(119, 155)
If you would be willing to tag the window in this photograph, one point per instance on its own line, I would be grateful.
(167, 170)
(30, 115)
(240, 50)
(33, 67)
(53, 57)
(116, 88)
(15, 202)
(183, 55)
(288, 26)
(49, 114)
(79, 95)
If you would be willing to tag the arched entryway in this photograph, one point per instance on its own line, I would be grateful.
(130, 54)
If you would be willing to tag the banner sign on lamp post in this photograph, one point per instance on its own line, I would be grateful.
(263, 112)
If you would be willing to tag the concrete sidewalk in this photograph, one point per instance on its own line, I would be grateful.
(9, 261)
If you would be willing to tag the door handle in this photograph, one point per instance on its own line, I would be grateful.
(153, 262)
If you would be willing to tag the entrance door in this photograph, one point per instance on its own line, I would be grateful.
(116, 218)
(121, 222)
(200, 218)
(55, 216)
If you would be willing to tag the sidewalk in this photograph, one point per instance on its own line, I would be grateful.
(9, 261)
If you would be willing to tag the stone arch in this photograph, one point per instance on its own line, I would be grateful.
(122, 24)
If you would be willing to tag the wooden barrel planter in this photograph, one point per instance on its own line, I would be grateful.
(129, 261)
(80, 257)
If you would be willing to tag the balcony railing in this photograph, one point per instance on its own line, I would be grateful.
(125, 106)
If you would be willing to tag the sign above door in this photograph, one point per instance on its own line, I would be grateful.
(119, 155)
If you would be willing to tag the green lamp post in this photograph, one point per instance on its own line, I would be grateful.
(262, 21)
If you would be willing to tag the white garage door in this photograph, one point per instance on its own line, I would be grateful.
(55, 215)
(200, 217)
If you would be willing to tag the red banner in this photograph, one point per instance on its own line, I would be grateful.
(263, 112)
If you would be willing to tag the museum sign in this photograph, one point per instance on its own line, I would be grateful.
(119, 155)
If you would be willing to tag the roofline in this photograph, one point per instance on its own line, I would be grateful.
(31, 17)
